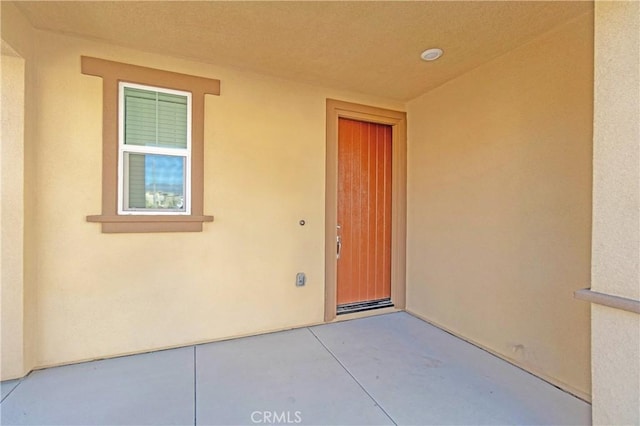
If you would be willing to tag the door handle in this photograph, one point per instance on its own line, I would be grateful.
(338, 242)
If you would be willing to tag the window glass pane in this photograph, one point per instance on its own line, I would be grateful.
(155, 118)
(154, 182)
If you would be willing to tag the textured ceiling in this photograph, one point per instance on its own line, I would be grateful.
(368, 47)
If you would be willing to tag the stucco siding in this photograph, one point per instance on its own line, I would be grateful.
(499, 212)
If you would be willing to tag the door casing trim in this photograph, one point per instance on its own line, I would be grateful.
(398, 121)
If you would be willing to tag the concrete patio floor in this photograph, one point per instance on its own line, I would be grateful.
(386, 369)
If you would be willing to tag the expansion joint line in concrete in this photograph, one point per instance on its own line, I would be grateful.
(352, 376)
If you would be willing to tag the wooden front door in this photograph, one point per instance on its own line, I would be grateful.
(364, 215)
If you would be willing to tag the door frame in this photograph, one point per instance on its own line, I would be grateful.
(398, 121)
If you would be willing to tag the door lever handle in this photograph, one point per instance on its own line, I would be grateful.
(338, 242)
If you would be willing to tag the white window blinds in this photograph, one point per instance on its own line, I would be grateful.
(155, 118)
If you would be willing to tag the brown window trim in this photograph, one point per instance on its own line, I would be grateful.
(112, 73)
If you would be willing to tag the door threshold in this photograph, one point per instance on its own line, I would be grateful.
(350, 308)
(366, 314)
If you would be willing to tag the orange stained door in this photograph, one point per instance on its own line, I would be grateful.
(364, 211)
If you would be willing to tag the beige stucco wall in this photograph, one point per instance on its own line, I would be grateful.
(499, 211)
(12, 213)
(18, 285)
(616, 212)
(109, 294)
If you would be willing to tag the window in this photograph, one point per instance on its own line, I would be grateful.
(152, 148)
(154, 155)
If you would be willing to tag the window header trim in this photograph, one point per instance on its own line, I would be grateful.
(149, 76)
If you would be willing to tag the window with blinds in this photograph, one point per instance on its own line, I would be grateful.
(154, 150)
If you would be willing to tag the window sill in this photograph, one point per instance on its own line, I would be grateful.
(609, 300)
(112, 224)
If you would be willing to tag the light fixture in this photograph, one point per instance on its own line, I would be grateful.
(431, 54)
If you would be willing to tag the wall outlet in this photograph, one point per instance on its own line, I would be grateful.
(301, 279)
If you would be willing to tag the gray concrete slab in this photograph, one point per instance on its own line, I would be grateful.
(422, 375)
(289, 377)
(7, 386)
(149, 389)
(377, 370)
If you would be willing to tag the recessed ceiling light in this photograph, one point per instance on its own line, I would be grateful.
(431, 54)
